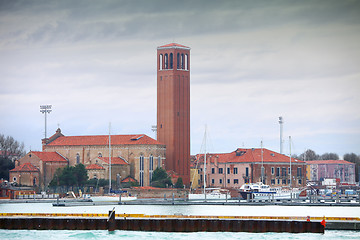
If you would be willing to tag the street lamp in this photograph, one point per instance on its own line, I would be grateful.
(45, 109)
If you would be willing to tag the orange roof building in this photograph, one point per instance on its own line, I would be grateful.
(135, 155)
(37, 168)
(231, 170)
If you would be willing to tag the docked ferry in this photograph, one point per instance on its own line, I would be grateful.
(260, 191)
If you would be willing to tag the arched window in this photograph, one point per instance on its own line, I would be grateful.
(160, 62)
(34, 181)
(77, 158)
(171, 61)
(186, 62)
(141, 170)
(151, 167)
(99, 154)
(166, 61)
(178, 61)
(182, 61)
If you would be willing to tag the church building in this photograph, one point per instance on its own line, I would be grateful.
(135, 155)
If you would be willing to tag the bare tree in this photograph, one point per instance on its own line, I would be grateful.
(330, 156)
(309, 155)
(10, 147)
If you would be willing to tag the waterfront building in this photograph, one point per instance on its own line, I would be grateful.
(135, 155)
(232, 170)
(37, 169)
(173, 107)
(342, 170)
(132, 157)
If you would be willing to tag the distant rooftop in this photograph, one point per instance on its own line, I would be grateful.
(173, 45)
(100, 140)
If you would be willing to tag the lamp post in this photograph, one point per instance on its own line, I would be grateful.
(45, 109)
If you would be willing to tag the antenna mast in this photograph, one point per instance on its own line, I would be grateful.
(281, 134)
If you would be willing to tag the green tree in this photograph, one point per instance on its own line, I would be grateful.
(70, 176)
(160, 178)
(5, 166)
(179, 183)
(81, 174)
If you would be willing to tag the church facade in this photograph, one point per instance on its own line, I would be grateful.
(141, 153)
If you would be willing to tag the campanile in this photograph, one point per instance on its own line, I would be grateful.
(173, 107)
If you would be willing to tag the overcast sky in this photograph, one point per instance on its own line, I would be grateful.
(251, 62)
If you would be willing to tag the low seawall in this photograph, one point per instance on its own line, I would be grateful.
(162, 223)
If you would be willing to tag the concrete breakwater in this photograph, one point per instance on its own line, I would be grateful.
(140, 222)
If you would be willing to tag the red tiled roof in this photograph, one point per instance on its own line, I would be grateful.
(49, 156)
(101, 140)
(26, 167)
(148, 188)
(94, 167)
(329, 162)
(248, 156)
(128, 179)
(173, 45)
(114, 160)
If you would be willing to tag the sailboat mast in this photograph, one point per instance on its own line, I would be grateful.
(205, 164)
(290, 159)
(262, 163)
(109, 158)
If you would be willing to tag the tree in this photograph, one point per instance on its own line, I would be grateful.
(179, 183)
(70, 176)
(309, 155)
(352, 157)
(5, 165)
(160, 178)
(81, 174)
(9, 148)
(329, 156)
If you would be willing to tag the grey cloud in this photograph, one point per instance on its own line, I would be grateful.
(77, 21)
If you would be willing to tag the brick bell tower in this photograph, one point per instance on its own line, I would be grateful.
(173, 107)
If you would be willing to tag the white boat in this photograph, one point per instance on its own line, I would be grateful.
(113, 198)
(260, 191)
(211, 194)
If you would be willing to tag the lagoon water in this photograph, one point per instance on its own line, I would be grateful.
(178, 209)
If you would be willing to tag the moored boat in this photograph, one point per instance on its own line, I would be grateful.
(260, 191)
(210, 194)
(113, 198)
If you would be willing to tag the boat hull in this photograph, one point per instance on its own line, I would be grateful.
(112, 198)
(269, 195)
(201, 196)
